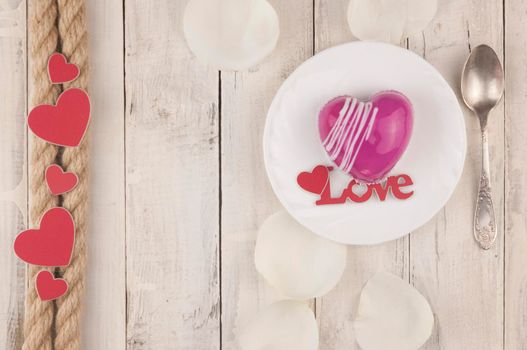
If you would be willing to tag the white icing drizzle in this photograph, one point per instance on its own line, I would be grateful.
(353, 126)
(348, 127)
(344, 114)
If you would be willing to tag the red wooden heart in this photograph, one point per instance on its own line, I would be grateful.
(65, 123)
(60, 71)
(314, 181)
(48, 287)
(52, 243)
(60, 181)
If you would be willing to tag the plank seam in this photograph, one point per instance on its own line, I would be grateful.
(220, 283)
(126, 317)
(504, 281)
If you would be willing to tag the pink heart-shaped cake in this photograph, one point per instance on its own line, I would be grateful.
(366, 138)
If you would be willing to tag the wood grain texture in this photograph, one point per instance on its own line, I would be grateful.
(247, 198)
(172, 178)
(105, 307)
(166, 172)
(463, 283)
(13, 185)
(515, 176)
(336, 310)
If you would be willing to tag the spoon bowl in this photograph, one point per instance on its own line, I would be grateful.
(482, 82)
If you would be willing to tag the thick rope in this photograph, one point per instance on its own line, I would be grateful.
(42, 40)
(74, 42)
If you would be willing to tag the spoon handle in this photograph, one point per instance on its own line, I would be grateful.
(484, 219)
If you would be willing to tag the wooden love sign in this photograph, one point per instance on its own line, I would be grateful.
(318, 182)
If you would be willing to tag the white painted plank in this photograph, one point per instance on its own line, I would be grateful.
(336, 310)
(463, 283)
(331, 24)
(13, 185)
(104, 324)
(172, 190)
(516, 176)
(247, 197)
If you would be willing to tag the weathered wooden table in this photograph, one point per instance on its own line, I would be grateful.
(179, 188)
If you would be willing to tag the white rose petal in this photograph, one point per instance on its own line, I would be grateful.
(377, 20)
(392, 315)
(420, 14)
(298, 263)
(285, 325)
(389, 20)
(231, 34)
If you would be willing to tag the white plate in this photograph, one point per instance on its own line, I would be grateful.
(434, 157)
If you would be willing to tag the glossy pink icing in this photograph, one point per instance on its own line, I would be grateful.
(366, 138)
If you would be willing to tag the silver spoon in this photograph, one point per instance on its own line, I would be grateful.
(482, 87)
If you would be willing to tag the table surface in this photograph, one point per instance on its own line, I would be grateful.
(178, 187)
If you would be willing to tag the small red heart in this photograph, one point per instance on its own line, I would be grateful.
(65, 123)
(60, 71)
(60, 181)
(48, 287)
(314, 181)
(52, 243)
